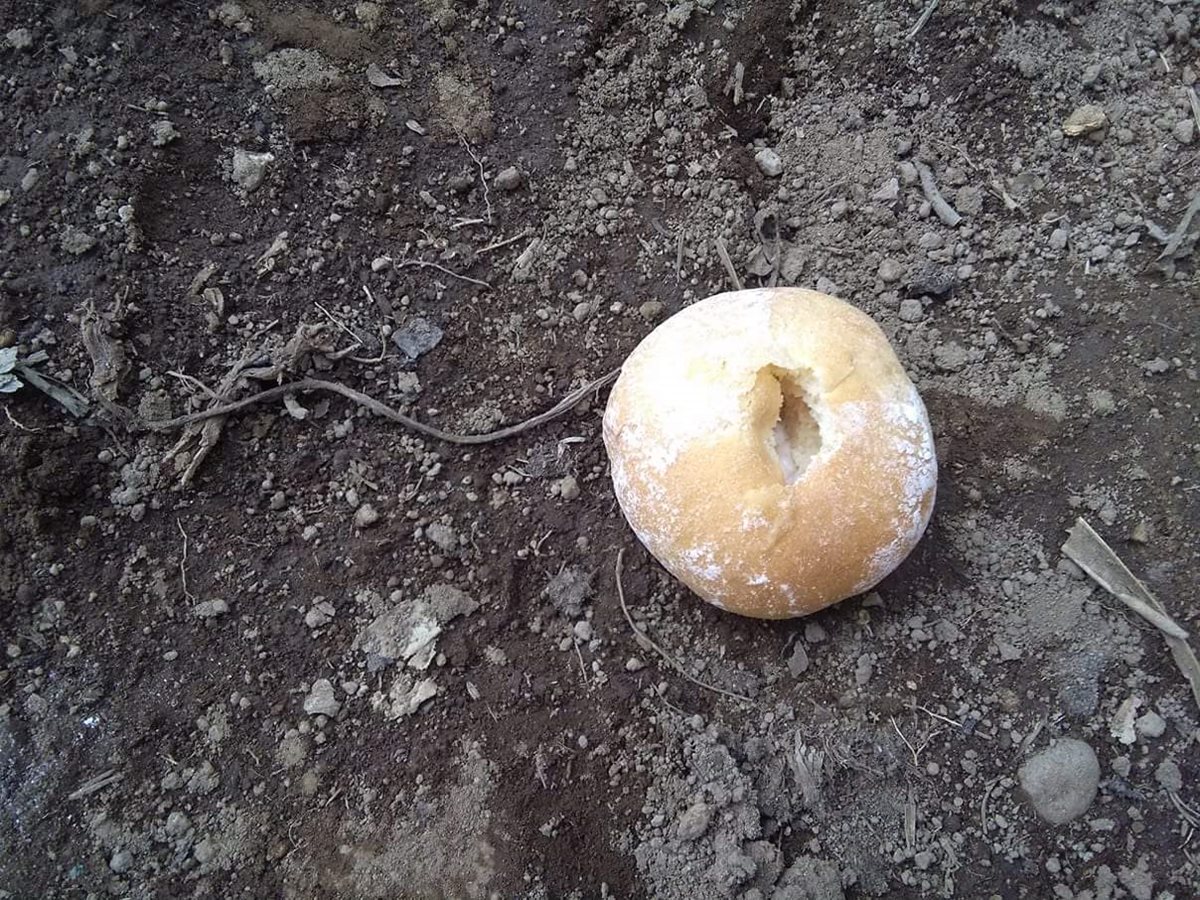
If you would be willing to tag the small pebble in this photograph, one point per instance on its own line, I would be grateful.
(320, 700)
(568, 487)
(1150, 724)
(911, 310)
(890, 271)
(366, 516)
(509, 179)
(769, 162)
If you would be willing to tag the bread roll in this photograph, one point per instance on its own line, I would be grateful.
(769, 450)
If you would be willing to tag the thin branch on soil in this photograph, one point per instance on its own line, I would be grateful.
(674, 663)
(826, 191)
(911, 748)
(339, 323)
(482, 178)
(925, 14)
(382, 409)
(196, 383)
(941, 718)
(504, 243)
(723, 253)
(945, 212)
(383, 352)
(987, 795)
(423, 264)
(1089, 551)
(579, 654)
(183, 562)
(1195, 102)
(13, 419)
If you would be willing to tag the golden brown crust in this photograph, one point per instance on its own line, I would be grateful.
(704, 482)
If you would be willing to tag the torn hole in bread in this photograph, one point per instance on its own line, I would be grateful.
(794, 436)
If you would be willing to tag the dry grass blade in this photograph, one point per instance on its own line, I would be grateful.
(924, 17)
(1089, 551)
(667, 657)
(723, 253)
(1185, 224)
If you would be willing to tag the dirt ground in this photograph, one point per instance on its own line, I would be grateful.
(303, 651)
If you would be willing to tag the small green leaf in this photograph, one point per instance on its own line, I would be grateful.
(9, 383)
(8, 359)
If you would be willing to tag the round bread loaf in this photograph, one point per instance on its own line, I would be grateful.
(769, 450)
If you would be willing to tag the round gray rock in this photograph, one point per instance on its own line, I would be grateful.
(1061, 781)
(769, 162)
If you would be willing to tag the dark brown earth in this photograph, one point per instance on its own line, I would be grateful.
(528, 774)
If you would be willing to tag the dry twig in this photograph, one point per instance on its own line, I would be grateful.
(424, 264)
(95, 783)
(183, 562)
(670, 660)
(382, 409)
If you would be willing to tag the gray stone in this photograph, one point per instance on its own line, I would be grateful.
(320, 700)
(568, 487)
(76, 242)
(1061, 781)
(1169, 776)
(210, 609)
(443, 536)
(178, 824)
(19, 39)
(121, 861)
(651, 310)
(798, 662)
(969, 200)
(769, 162)
(1184, 131)
(417, 337)
(407, 631)
(911, 310)
(814, 633)
(509, 179)
(888, 192)
(163, 132)
(249, 169)
(951, 356)
(366, 516)
(890, 271)
(1150, 724)
(694, 822)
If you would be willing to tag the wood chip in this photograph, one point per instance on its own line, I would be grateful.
(1088, 550)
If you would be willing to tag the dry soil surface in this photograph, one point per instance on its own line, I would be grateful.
(303, 651)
